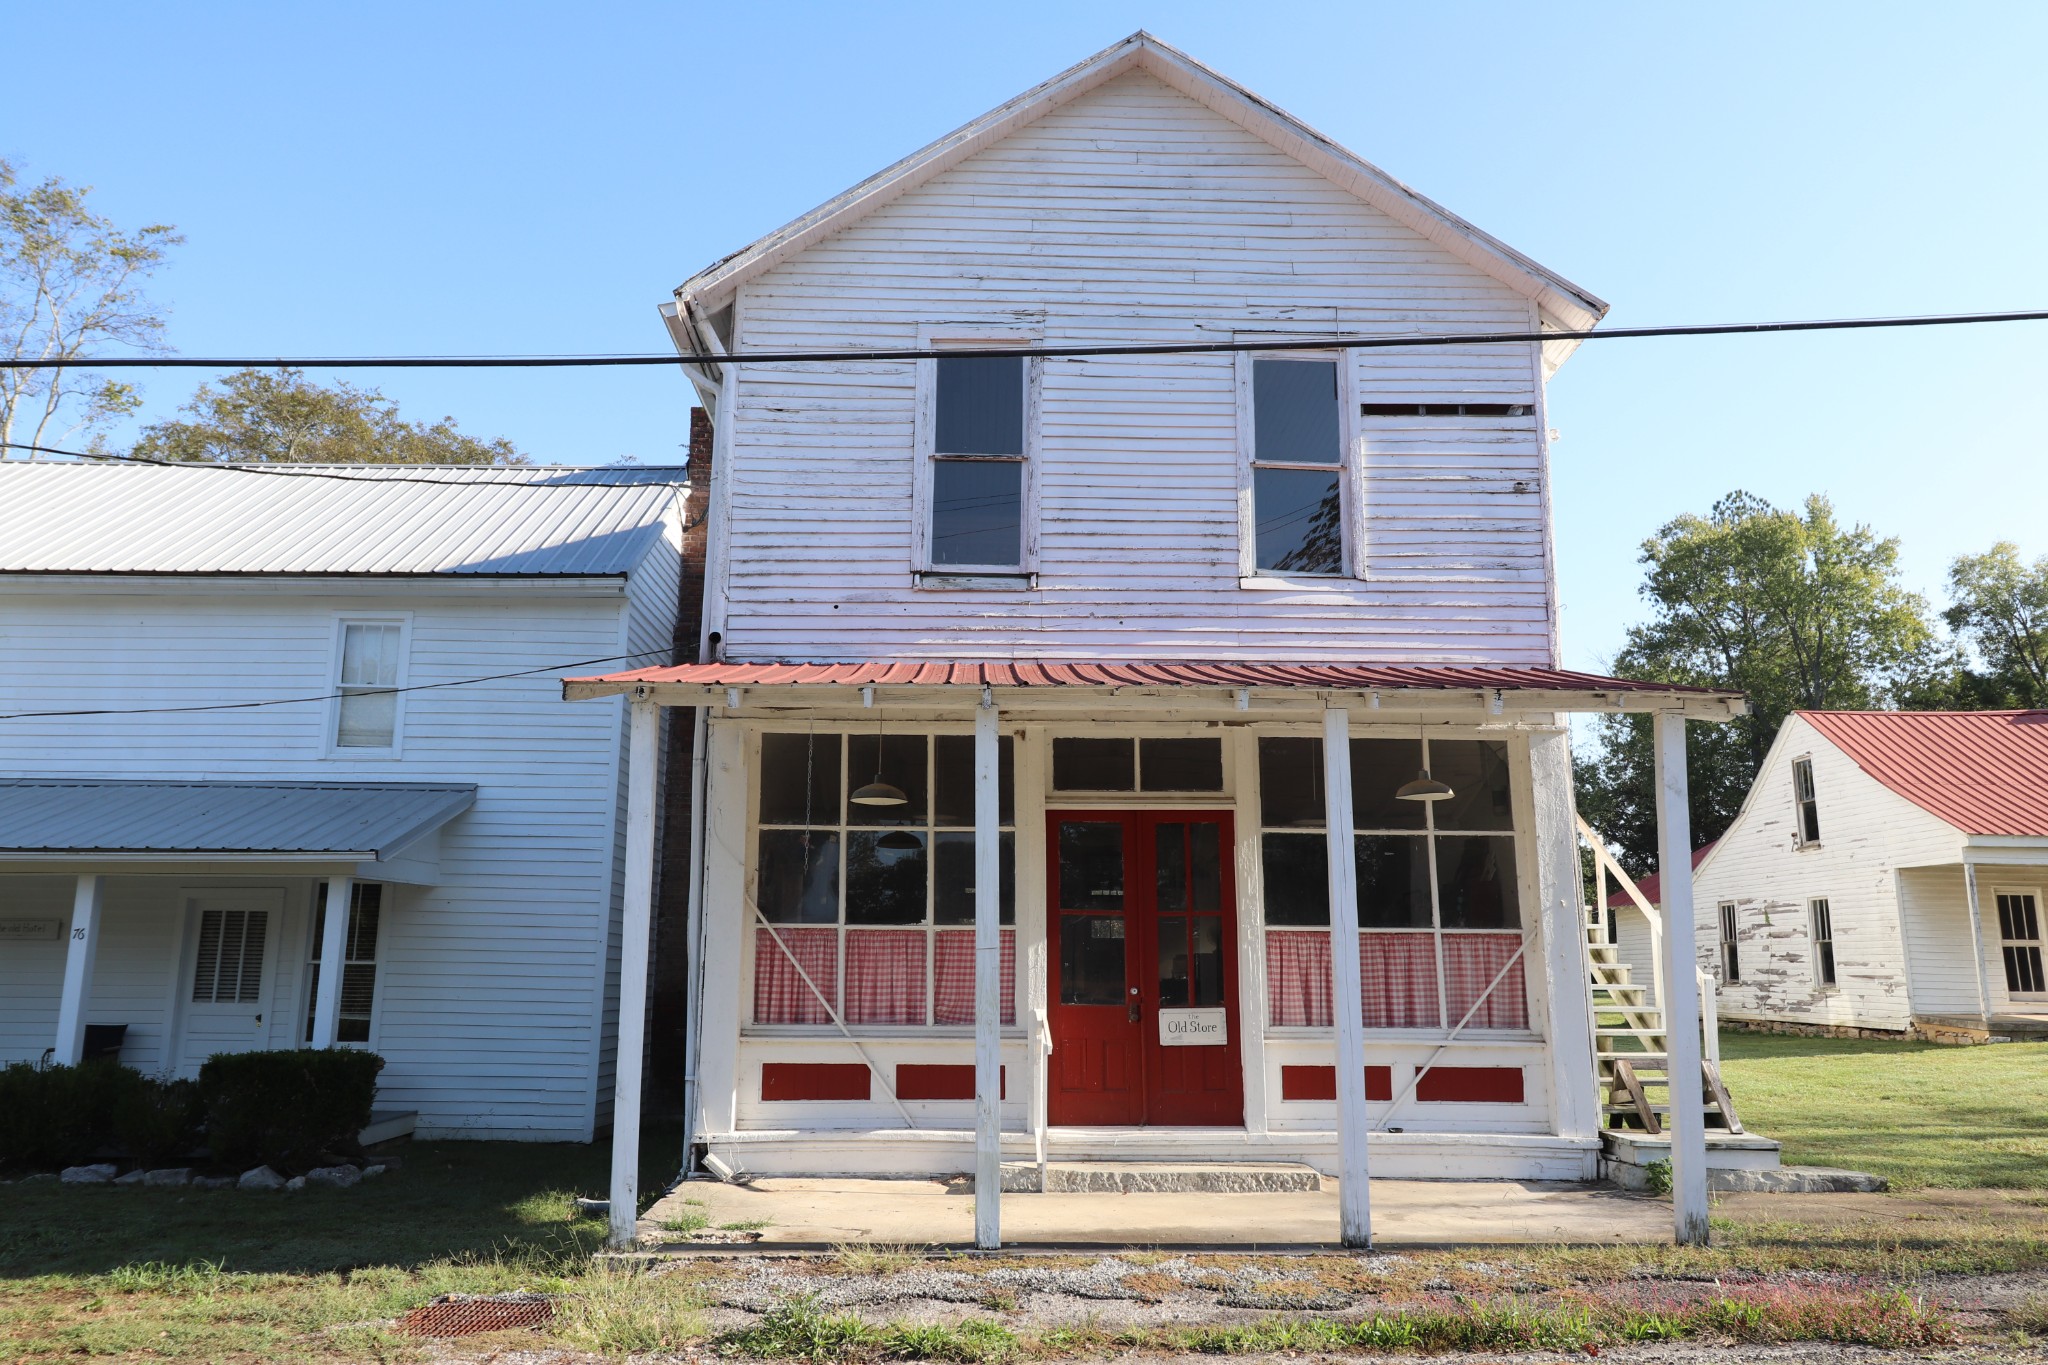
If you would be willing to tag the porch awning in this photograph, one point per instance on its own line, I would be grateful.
(50, 818)
(1494, 689)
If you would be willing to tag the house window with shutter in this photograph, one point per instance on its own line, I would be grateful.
(1297, 514)
(1822, 923)
(229, 970)
(359, 961)
(1803, 798)
(976, 475)
(369, 670)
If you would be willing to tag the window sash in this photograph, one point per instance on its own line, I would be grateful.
(1731, 952)
(367, 676)
(962, 455)
(1823, 931)
(1283, 453)
(1807, 806)
(358, 962)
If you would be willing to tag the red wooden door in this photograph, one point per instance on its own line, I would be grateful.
(1142, 919)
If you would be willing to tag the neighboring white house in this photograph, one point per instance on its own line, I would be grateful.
(1052, 666)
(1887, 871)
(169, 831)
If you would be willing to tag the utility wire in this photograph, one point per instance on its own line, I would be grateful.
(330, 696)
(1292, 343)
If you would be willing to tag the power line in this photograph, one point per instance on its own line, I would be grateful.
(1292, 343)
(301, 472)
(329, 696)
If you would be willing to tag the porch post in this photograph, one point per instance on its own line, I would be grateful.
(333, 950)
(1681, 986)
(988, 979)
(80, 948)
(643, 753)
(1354, 1199)
(1561, 931)
(1976, 911)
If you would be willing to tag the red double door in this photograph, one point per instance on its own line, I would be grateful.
(1143, 998)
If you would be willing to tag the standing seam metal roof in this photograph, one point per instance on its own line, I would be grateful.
(1985, 772)
(81, 815)
(381, 519)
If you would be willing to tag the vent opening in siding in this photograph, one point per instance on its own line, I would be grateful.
(1443, 409)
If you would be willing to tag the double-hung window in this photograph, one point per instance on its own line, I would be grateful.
(1821, 922)
(358, 963)
(1731, 946)
(1297, 507)
(1807, 807)
(1438, 920)
(978, 474)
(371, 660)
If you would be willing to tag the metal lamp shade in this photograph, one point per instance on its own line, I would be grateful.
(1423, 788)
(878, 793)
(900, 841)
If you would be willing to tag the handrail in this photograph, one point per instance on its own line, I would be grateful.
(1603, 862)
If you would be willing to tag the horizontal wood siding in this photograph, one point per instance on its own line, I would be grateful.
(1132, 214)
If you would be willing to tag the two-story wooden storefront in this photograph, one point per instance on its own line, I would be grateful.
(1088, 654)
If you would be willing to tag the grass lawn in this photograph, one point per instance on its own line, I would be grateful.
(1922, 1115)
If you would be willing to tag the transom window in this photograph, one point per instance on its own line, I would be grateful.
(869, 909)
(1297, 467)
(366, 712)
(1823, 928)
(978, 454)
(358, 963)
(1803, 799)
(1439, 909)
(1137, 765)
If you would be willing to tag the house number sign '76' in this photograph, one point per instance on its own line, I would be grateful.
(1192, 1028)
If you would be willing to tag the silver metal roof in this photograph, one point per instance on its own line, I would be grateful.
(346, 820)
(378, 519)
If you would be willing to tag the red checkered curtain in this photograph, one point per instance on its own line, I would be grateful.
(885, 976)
(953, 976)
(1398, 972)
(1298, 978)
(1471, 961)
(780, 995)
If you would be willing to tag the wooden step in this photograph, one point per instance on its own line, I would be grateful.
(1612, 1031)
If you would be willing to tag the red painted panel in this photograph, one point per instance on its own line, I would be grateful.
(1471, 1085)
(922, 1081)
(814, 1081)
(1320, 1082)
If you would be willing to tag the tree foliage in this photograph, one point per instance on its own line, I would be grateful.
(1793, 609)
(70, 283)
(280, 417)
(2000, 609)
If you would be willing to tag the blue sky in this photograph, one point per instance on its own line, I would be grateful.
(509, 178)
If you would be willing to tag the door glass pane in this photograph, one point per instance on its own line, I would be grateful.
(1170, 850)
(980, 404)
(1181, 765)
(1476, 882)
(1297, 877)
(978, 512)
(1173, 962)
(1298, 520)
(1092, 960)
(1291, 782)
(1294, 412)
(1379, 768)
(1393, 881)
(1477, 771)
(885, 884)
(1205, 879)
(1091, 865)
(953, 871)
(800, 779)
(953, 780)
(798, 876)
(1094, 765)
(1207, 966)
(901, 766)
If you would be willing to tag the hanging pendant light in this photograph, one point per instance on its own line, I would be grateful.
(878, 792)
(1424, 787)
(900, 841)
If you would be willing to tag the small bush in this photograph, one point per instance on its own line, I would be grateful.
(159, 1120)
(61, 1115)
(286, 1109)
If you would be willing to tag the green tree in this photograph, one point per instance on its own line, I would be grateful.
(1792, 608)
(70, 283)
(2001, 610)
(280, 417)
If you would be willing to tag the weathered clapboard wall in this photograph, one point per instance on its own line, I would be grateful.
(1868, 833)
(1132, 214)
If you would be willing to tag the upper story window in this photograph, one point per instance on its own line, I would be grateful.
(1298, 469)
(977, 477)
(1802, 797)
(370, 665)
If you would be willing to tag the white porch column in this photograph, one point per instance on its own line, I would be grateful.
(80, 948)
(1976, 910)
(643, 755)
(1354, 1206)
(1561, 924)
(333, 950)
(1681, 985)
(988, 979)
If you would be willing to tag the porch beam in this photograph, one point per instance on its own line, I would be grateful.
(1681, 986)
(988, 979)
(643, 756)
(81, 946)
(333, 951)
(1354, 1197)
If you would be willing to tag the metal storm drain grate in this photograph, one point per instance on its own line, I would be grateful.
(462, 1315)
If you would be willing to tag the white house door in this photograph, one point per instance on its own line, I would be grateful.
(229, 972)
(2019, 933)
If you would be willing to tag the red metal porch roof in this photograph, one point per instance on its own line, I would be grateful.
(1985, 772)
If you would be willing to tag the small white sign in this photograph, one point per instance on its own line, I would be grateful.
(31, 930)
(1193, 1028)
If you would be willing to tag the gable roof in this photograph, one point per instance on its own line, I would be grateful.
(1563, 303)
(1652, 885)
(1985, 772)
(512, 521)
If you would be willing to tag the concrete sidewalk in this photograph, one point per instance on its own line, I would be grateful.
(792, 1212)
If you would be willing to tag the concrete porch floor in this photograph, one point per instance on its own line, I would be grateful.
(792, 1212)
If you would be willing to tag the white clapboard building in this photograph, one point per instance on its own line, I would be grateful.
(230, 697)
(1032, 683)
